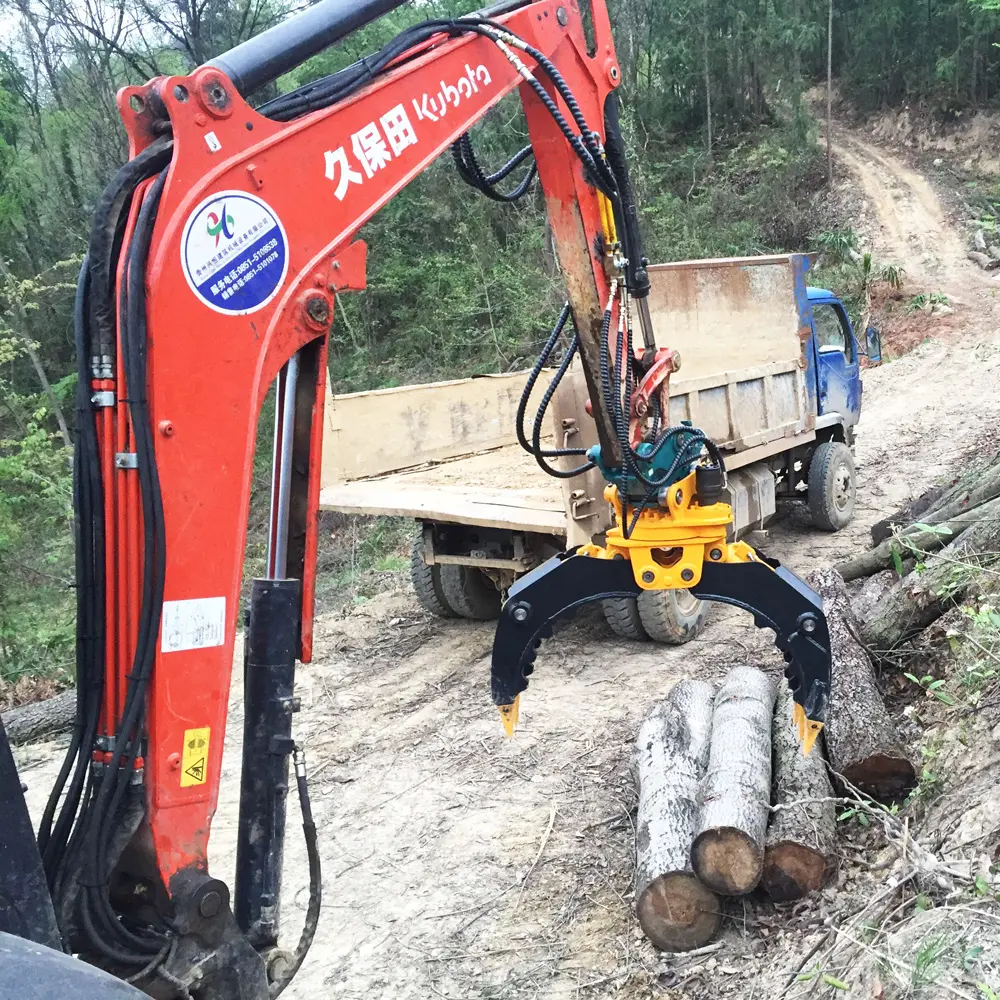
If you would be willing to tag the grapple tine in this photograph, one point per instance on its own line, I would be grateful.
(776, 598)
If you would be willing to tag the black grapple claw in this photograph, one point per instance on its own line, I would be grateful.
(776, 598)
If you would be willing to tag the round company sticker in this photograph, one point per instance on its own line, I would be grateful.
(234, 252)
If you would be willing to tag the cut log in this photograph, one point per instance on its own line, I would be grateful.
(921, 598)
(676, 912)
(979, 241)
(728, 852)
(41, 719)
(801, 847)
(865, 598)
(885, 528)
(916, 538)
(861, 739)
(984, 260)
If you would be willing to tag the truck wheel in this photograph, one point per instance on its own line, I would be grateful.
(672, 616)
(470, 592)
(427, 581)
(831, 486)
(623, 617)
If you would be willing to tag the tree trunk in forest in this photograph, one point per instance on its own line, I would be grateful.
(676, 912)
(800, 853)
(829, 97)
(708, 78)
(21, 328)
(29, 723)
(728, 851)
(861, 739)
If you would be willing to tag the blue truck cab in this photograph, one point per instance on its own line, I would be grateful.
(834, 371)
(823, 472)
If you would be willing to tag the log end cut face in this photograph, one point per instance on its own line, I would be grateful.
(885, 777)
(792, 871)
(728, 860)
(677, 912)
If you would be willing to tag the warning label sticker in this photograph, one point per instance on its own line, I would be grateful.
(194, 757)
(234, 253)
(193, 624)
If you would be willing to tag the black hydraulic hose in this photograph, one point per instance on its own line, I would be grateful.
(315, 878)
(89, 555)
(472, 173)
(105, 241)
(536, 433)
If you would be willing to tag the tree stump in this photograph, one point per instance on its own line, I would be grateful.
(676, 912)
(728, 851)
(861, 739)
(801, 848)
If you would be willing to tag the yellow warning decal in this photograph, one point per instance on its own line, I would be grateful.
(194, 759)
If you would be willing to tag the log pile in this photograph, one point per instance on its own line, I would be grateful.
(728, 803)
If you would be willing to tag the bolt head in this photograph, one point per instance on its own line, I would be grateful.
(679, 496)
(715, 554)
(318, 309)
(687, 575)
(520, 613)
(648, 576)
(210, 904)
(809, 625)
(562, 17)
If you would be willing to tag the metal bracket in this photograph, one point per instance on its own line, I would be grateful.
(105, 397)
(126, 460)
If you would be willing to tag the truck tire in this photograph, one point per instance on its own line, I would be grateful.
(470, 593)
(622, 615)
(426, 581)
(832, 487)
(672, 616)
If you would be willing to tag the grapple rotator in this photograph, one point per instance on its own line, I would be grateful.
(671, 535)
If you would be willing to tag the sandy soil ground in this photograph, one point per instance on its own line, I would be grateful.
(460, 864)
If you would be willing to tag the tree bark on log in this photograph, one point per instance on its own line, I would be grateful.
(866, 597)
(920, 599)
(984, 260)
(728, 852)
(881, 530)
(28, 723)
(801, 847)
(861, 739)
(676, 912)
(979, 241)
(916, 539)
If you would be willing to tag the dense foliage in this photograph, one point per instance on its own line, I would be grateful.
(724, 157)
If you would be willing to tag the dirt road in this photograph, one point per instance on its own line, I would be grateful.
(460, 864)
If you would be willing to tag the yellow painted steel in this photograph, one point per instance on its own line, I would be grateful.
(667, 547)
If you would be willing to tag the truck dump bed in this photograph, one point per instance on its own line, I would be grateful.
(447, 451)
(444, 451)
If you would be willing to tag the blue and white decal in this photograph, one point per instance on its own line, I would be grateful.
(234, 253)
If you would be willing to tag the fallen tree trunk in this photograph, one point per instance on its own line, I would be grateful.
(676, 912)
(886, 528)
(865, 598)
(927, 536)
(984, 260)
(861, 739)
(728, 851)
(801, 848)
(979, 241)
(920, 599)
(29, 723)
